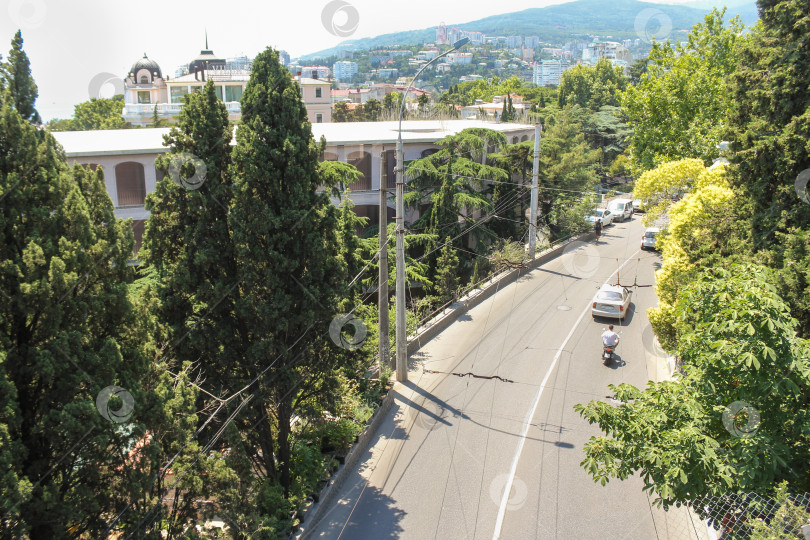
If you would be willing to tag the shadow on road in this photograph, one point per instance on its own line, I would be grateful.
(376, 516)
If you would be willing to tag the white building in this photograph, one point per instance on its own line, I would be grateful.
(617, 53)
(146, 90)
(460, 58)
(315, 72)
(344, 70)
(548, 72)
(531, 42)
(127, 157)
(513, 42)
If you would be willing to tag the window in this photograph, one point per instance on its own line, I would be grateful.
(318, 92)
(361, 160)
(218, 92)
(177, 93)
(319, 118)
(129, 181)
(390, 168)
(143, 97)
(233, 93)
(429, 152)
(144, 79)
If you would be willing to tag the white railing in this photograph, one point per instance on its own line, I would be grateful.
(131, 109)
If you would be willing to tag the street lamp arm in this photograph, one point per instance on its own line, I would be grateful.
(457, 45)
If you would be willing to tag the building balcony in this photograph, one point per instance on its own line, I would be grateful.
(168, 109)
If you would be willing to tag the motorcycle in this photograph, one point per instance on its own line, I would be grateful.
(607, 353)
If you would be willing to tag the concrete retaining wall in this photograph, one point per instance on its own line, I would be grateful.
(439, 323)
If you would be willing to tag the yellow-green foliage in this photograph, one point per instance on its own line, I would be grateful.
(659, 187)
(688, 220)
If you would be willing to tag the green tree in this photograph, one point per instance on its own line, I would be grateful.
(592, 87)
(371, 110)
(447, 272)
(99, 113)
(453, 180)
(286, 253)
(605, 130)
(698, 434)
(71, 325)
(18, 80)
(680, 108)
(770, 125)
(341, 112)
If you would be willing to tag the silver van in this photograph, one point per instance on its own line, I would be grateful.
(621, 209)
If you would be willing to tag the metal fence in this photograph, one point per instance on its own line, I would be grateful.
(752, 516)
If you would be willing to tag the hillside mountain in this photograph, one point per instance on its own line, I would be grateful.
(556, 24)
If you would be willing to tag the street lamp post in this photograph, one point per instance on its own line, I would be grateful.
(402, 337)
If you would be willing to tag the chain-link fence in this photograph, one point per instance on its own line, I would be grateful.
(751, 516)
(744, 516)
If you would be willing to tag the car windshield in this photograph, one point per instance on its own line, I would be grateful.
(600, 213)
(649, 234)
(609, 295)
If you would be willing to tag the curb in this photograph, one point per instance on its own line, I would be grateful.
(439, 323)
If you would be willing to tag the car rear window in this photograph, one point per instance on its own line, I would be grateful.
(649, 234)
(609, 295)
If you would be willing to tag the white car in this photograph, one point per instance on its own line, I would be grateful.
(611, 301)
(648, 240)
(603, 215)
(622, 209)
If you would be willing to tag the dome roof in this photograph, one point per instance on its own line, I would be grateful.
(146, 63)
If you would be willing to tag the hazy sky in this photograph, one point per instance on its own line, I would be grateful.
(70, 42)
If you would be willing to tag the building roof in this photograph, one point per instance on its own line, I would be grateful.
(150, 140)
(148, 64)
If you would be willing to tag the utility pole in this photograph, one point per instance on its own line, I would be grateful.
(535, 175)
(402, 336)
(382, 288)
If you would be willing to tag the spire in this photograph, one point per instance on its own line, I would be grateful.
(206, 39)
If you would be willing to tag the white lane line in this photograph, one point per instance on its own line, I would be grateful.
(507, 490)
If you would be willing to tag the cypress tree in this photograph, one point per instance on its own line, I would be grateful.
(67, 330)
(286, 253)
(447, 267)
(17, 72)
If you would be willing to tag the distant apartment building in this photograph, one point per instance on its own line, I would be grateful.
(513, 42)
(427, 55)
(315, 72)
(344, 70)
(388, 73)
(613, 51)
(460, 58)
(148, 92)
(454, 34)
(531, 42)
(548, 72)
(441, 35)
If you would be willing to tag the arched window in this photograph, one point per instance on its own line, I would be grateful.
(429, 152)
(514, 140)
(144, 79)
(130, 183)
(361, 160)
(328, 156)
(524, 138)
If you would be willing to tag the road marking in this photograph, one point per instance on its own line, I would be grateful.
(507, 490)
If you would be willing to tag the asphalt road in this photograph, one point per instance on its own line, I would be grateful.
(460, 457)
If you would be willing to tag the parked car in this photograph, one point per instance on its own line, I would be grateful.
(622, 209)
(638, 206)
(649, 238)
(611, 301)
(603, 215)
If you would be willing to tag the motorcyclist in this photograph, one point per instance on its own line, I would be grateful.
(597, 228)
(609, 337)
